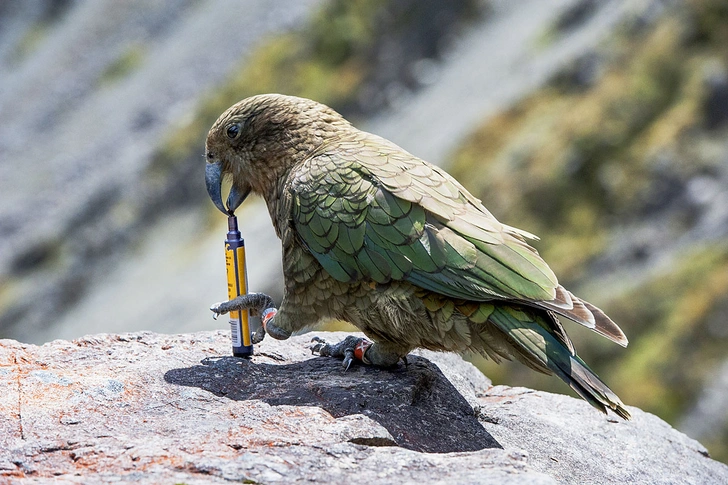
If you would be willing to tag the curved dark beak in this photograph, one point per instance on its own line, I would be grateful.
(235, 198)
(213, 182)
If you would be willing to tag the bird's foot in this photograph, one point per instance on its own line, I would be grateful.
(356, 348)
(258, 304)
(350, 349)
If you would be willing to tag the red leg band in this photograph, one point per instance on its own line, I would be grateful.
(361, 349)
(267, 316)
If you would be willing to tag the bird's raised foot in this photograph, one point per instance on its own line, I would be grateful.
(255, 302)
(350, 349)
(258, 304)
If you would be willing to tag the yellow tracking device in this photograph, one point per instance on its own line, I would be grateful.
(237, 282)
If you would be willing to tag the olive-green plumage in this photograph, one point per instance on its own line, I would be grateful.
(377, 237)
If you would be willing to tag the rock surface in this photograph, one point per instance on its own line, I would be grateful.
(178, 408)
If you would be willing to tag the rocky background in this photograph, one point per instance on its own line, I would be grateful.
(601, 126)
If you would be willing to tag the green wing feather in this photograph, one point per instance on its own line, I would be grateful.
(365, 208)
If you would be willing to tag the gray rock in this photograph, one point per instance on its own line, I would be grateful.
(179, 408)
(567, 440)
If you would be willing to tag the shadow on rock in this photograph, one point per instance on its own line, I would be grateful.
(416, 403)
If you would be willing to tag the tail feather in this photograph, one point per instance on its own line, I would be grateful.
(568, 305)
(606, 327)
(531, 335)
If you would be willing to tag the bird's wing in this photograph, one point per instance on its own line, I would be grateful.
(367, 209)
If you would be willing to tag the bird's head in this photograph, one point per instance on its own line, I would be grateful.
(257, 141)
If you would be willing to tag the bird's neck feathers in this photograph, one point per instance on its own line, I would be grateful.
(286, 143)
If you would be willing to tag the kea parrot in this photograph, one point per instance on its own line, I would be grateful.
(394, 245)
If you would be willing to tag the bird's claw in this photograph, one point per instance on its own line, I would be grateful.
(258, 335)
(348, 359)
(316, 345)
(350, 349)
(216, 309)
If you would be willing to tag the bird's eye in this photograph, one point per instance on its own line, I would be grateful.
(233, 131)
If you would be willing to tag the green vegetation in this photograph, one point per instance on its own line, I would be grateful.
(124, 65)
(562, 161)
(46, 17)
(30, 41)
(678, 332)
(581, 163)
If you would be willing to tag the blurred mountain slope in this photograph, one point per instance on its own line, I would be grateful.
(88, 91)
(620, 164)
